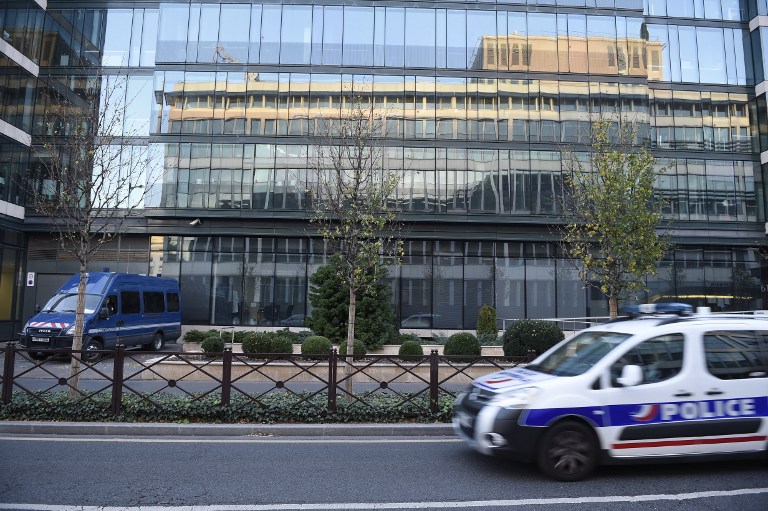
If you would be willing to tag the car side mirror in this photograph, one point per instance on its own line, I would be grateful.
(104, 313)
(631, 375)
(38, 309)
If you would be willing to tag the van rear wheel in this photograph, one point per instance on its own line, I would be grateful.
(157, 343)
(568, 452)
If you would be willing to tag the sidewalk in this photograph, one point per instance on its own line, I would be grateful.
(223, 430)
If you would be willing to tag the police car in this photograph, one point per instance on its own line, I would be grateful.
(678, 386)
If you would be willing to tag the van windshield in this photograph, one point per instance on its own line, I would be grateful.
(578, 355)
(68, 303)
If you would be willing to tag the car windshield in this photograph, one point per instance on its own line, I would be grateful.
(68, 303)
(579, 354)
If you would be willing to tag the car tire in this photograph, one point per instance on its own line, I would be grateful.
(90, 347)
(568, 451)
(157, 344)
(37, 355)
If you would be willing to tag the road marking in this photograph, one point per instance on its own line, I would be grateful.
(570, 501)
(267, 439)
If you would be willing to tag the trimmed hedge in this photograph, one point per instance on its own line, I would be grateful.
(199, 335)
(530, 335)
(279, 407)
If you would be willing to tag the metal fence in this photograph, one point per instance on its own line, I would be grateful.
(148, 375)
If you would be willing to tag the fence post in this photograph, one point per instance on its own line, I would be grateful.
(117, 379)
(226, 376)
(332, 367)
(433, 385)
(10, 360)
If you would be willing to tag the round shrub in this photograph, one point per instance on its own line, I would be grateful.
(410, 348)
(462, 343)
(525, 335)
(257, 343)
(213, 344)
(316, 345)
(358, 349)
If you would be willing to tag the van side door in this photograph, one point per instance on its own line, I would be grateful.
(735, 390)
(130, 316)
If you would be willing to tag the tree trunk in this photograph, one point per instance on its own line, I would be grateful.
(350, 341)
(613, 307)
(77, 338)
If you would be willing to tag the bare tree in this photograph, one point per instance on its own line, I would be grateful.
(93, 174)
(613, 233)
(352, 199)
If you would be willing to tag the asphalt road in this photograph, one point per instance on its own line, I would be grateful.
(285, 473)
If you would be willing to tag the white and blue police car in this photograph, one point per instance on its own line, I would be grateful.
(672, 386)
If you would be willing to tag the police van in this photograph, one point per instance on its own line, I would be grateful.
(120, 308)
(677, 386)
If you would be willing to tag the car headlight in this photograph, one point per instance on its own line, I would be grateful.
(519, 398)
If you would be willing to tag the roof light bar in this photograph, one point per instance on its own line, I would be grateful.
(680, 309)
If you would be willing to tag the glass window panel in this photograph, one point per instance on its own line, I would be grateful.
(689, 65)
(711, 48)
(233, 38)
(295, 44)
(332, 36)
(482, 40)
(680, 8)
(358, 36)
(174, 23)
(149, 38)
(378, 36)
(420, 38)
(255, 34)
(542, 42)
(456, 40)
(270, 34)
(117, 38)
(207, 46)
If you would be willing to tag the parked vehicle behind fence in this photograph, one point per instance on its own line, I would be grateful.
(120, 308)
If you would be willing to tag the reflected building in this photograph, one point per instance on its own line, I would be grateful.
(479, 99)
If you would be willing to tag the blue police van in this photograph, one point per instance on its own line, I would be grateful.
(120, 308)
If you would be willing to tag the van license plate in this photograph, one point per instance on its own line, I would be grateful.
(39, 339)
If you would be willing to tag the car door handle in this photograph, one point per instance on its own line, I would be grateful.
(714, 392)
(683, 394)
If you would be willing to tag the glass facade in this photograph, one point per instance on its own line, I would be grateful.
(480, 99)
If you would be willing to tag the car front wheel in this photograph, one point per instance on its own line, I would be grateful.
(568, 452)
(90, 351)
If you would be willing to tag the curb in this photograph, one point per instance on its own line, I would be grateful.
(225, 430)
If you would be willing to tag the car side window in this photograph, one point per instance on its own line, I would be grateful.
(130, 302)
(735, 355)
(660, 358)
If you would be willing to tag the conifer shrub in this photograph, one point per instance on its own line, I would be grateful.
(526, 335)
(410, 348)
(316, 345)
(486, 321)
(462, 343)
(358, 349)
